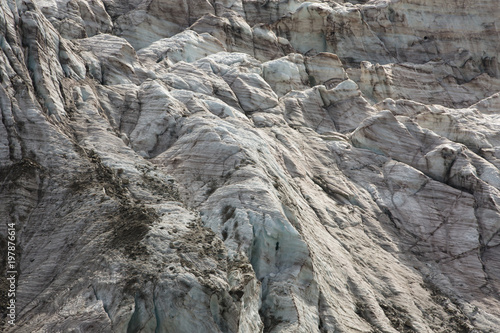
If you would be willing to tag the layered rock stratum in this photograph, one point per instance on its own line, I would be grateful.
(251, 165)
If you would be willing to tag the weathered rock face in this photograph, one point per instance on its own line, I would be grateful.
(251, 166)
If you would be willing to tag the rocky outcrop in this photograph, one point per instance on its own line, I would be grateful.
(251, 166)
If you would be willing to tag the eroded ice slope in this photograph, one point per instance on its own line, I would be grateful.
(251, 166)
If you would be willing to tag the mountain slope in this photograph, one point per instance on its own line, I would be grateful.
(251, 166)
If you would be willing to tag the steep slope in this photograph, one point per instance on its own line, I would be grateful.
(250, 166)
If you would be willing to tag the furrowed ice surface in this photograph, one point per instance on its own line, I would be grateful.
(251, 166)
